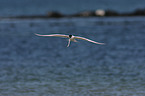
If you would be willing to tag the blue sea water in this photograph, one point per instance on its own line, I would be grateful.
(42, 66)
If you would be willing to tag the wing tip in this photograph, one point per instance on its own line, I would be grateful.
(102, 43)
(36, 34)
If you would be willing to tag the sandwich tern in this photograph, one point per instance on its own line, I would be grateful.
(70, 38)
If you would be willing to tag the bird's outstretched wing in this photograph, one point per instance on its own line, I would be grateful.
(54, 35)
(82, 38)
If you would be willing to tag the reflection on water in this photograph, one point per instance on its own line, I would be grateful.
(31, 65)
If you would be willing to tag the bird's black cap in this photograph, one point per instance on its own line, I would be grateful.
(70, 36)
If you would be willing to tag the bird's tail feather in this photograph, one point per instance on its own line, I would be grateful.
(75, 40)
(68, 43)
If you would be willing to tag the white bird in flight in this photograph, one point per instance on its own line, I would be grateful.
(70, 38)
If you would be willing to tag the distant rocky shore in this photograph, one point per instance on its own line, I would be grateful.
(96, 13)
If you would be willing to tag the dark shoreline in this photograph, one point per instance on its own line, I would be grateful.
(96, 13)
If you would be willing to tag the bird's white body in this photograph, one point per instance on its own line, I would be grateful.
(73, 38)
(70, 38)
